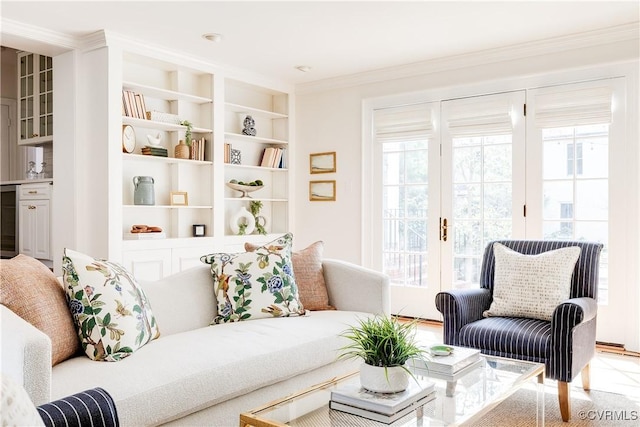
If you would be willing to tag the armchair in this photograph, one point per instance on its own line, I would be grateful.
(566, 344)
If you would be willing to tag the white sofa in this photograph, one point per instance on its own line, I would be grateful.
(196, 374)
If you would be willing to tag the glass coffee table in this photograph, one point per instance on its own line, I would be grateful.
(468, 398)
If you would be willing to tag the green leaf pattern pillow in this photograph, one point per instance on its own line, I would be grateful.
(111, 312)
(254, 285)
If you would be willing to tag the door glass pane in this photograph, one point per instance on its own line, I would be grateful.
(482, 200)
(576, 188)
(405, 204)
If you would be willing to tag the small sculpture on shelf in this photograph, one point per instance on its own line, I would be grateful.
(249, 126)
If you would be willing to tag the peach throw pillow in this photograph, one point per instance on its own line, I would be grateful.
(31, 290)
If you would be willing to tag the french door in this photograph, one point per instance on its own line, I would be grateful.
(456, 174)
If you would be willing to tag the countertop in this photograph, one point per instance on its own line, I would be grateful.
(26, 181)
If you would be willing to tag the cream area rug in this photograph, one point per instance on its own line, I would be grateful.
(592, 408)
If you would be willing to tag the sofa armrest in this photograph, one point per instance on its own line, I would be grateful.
(94, 407)
(26, 355)
(355, 288)
(460, 307)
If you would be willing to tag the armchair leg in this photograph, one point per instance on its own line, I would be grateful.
(586, 377)
(564, 401)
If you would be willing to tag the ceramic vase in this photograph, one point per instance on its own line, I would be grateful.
(181, 151)
(374, 378)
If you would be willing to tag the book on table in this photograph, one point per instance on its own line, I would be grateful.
(384, 418)
(354, 395)
(460, 358)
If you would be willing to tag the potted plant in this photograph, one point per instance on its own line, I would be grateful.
(385, 344)
(187, 133)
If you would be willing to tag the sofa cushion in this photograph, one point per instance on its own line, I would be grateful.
(188, 291)
(307, 268)
(31, 290)
(253, 285)
(179, 374)
(112, 314)
(531, 286)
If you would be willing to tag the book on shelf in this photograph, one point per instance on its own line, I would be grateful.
(355, 395)
(384, 418)
(145, 236)
(227, 152)
(133, 104)
(155, 151)
(197, 149)
(460, 358)
(272, 157)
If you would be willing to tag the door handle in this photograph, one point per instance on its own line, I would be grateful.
(443, 229)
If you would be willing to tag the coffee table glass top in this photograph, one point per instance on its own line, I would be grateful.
(469, 398)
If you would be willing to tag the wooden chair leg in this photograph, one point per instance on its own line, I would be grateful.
(564, 400)
(586, 377)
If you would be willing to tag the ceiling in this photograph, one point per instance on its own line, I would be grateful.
(332, 38)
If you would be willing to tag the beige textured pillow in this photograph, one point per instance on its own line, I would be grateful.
(307, 269)
(31, 290)
(531, 286)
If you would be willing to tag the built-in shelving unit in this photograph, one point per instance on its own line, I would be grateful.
(270, 111)
(216, 106)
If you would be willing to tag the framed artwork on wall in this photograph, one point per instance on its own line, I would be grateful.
(322, 162)
(322, 191)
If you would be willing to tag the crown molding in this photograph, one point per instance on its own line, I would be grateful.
(518, 51)
(21, 34)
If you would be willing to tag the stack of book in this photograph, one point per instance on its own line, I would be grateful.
(133, 104)
(273, 157)
(154, 151)
(383, 407)
(197, 149)
(451, 367)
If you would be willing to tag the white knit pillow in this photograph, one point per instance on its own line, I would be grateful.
(531, 286)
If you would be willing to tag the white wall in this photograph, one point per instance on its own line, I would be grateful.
(331, 120)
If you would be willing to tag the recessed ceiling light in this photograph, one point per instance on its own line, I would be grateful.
(213, 37)
(303, 68)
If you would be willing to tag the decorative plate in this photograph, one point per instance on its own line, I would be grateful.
(441, 350)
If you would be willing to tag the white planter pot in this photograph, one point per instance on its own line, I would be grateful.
(373, 378)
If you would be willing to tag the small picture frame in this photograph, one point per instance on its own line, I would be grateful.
(322, 162)
(322, 191)
(179, 198)
(199, 230)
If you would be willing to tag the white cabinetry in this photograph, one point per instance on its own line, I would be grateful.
(35, 87)
(34, 210)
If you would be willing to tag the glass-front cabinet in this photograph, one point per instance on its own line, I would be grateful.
(35, 85)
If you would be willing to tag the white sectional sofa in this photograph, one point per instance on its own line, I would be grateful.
(196, 374)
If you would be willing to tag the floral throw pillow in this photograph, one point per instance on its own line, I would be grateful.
(254, 285)
(110, 311)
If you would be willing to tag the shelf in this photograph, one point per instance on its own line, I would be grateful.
(256, 139)
(169, 242)
(243, 109)
(235, 166)
(252, 199)
(150, 124)
(168, 160)
(166, 207)
(165, 94)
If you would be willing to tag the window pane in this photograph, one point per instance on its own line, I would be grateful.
(497, 163)
(466, 201)
(497, 201)
(393, 168)
(555, 194)
(416, 164)
(467, 164)
(592, 199)
(393, 202)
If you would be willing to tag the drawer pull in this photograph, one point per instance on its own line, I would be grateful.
(33, 192)
(31, 207)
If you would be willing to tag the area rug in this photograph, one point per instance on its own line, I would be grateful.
(593, 408)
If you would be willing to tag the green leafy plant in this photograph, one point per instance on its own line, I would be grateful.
(255, 207)
(187, 133)
(382, 341)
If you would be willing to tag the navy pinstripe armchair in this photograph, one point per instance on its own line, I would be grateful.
(565, 345)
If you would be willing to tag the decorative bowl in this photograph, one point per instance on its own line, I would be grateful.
(441, 350)
(245, 189)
